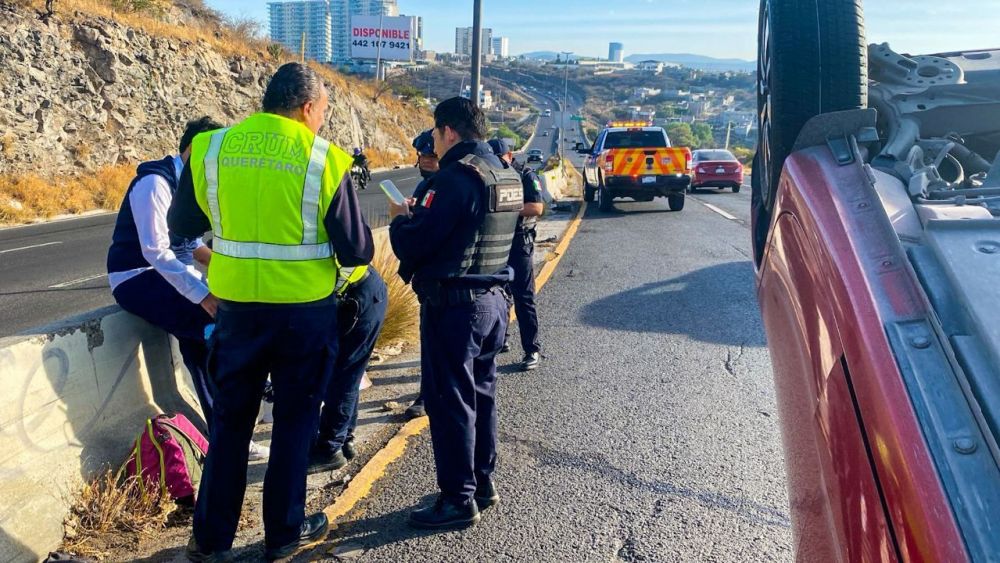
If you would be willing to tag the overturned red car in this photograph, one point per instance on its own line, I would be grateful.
(876, 234)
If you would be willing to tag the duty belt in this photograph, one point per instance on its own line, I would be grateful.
(460, 290)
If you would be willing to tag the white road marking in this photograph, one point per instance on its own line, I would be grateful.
(720, 212)
(77, 282)
(29, 247)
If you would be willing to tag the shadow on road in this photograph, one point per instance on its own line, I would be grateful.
(365, 534)
(714, 304)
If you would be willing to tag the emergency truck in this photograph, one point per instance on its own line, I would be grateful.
(635, 160)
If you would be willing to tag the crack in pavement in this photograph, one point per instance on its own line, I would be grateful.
(599, 465)
(730, 363)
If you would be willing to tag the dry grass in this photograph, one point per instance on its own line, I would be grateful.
(108, 512)
(29, 197)
(402, 319)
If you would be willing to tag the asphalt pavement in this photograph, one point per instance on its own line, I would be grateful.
(51, 271)
(648, 434)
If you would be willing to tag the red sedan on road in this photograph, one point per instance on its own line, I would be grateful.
(876, 235)
(716, 168)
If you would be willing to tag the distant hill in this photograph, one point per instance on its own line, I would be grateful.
(699, 62)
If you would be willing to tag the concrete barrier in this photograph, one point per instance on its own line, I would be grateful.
(76, 395)
(560, 183)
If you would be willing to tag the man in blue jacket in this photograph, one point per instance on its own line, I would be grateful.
(152, 273)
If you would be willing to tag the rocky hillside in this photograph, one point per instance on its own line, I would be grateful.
(86, 89)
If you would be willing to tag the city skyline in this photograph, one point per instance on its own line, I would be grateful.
(718, 28)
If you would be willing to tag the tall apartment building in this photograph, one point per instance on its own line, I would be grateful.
(289, 20)
(501, 47)
(616, 52)
(326, 23)
(463, 41)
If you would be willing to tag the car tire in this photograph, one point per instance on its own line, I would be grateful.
(604, 200)
(736, 189)
(588, 192)
(812, 59)
(676, 202)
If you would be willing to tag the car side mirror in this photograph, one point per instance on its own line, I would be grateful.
(582, 148)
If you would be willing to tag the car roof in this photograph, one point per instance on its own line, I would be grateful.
(625, 129)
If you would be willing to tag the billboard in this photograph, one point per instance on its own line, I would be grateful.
(396, 37)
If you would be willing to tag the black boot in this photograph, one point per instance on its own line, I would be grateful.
(325, 460)
(195, 553)
(348, 449)
(531, 361)
(486, 494)
(313, 529)
(416, 410)
(445, 514)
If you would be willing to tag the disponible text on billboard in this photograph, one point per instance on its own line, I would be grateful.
(385, 37)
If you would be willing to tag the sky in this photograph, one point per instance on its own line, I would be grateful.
(717, 28)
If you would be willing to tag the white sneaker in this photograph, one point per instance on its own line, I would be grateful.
(259, 452)
(266, 413)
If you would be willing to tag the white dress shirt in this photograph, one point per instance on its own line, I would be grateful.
(150, 200)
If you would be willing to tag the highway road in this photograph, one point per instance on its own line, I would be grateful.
(54, 270)
(649, 433)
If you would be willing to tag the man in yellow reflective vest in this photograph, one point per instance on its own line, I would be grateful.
(288, 231)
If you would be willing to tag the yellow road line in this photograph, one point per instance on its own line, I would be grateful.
(361, 485)
(550, 266)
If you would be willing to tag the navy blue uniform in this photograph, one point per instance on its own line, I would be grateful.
(297, 345)
(459, 341)
(362, 313)
(522, 288)
(150, 296)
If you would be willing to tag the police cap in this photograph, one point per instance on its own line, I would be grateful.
(424, 143)
(499, 146)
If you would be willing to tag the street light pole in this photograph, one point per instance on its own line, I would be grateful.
(477, 48)
(562, 124)
(378, 50)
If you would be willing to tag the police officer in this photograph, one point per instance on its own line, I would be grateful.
(453, 243)
(280, 203)
(522, 288)
(361, 313)
(428, 165)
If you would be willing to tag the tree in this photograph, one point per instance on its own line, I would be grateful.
(681, 135)
(703, 134)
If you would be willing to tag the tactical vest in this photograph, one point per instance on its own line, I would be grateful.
(503, 196)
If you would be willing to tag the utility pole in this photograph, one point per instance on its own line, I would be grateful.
(729, 130)
(378, 48)
(302, 48)
(477, 48)
(562, 123)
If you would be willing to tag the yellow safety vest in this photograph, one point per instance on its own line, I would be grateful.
(267, 184)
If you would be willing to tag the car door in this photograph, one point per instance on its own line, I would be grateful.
(590, 164)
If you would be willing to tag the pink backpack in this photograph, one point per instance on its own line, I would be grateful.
(169, 455)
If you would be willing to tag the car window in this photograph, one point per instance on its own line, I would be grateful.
(636, 139)
(713, 155)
